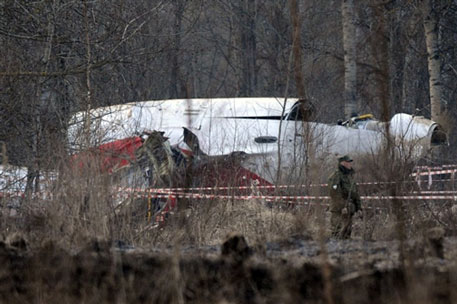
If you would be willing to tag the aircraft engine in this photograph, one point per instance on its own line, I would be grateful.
(411, 128)
(417, 132)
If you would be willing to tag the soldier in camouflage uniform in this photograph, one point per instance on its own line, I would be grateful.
(345, 199)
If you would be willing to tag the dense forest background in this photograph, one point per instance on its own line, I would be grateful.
(59, 56)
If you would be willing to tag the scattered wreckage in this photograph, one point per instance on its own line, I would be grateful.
(263, 137)
(233, 141)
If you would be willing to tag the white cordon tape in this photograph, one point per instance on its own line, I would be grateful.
(435, 167)
(150, 193)
(166, 192)
(253, 187)
(160, 194)
(431, 171)
(437, 172)
(11, 194)
(436, 192)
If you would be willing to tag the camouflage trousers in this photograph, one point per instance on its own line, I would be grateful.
(341, 225)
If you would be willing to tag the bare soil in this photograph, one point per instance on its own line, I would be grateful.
(293, 270)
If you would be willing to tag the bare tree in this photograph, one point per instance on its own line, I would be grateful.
(350, 67)
(243, 20)
(137, 50)
(296, 49)
(177, 84)
(431, 25)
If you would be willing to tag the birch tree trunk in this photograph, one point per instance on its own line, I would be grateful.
(350, 68)
(296, 49)
(88, 106)
(431, 27)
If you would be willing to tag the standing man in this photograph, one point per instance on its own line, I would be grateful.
(345, 199)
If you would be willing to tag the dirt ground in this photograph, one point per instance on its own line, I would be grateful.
(277, 255)
(292, 270)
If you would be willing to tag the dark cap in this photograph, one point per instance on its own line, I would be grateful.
(345, 158)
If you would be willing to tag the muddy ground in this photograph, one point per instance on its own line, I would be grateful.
(293, 270)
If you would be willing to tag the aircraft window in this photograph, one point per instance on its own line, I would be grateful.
(266, 139)
(301, 111)
(295, 114)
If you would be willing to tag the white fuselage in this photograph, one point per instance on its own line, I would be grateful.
(259, 127)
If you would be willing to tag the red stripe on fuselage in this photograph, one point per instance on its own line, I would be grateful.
(110, 156)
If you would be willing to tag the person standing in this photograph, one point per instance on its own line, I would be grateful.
(345, 199)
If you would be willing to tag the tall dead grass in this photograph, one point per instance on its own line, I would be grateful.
(83, 204)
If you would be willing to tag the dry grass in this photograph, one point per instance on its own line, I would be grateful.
(83, 206)
(189, 269)
(208, 223)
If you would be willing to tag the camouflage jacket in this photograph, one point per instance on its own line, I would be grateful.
(343, 191)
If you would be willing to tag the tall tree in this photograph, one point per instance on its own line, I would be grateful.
(431, 26)
(249, 46)
(244, 20)
(296, 49)
(177, 84)
(350, 67)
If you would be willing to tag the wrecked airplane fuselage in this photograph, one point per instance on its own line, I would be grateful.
(263, 138)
